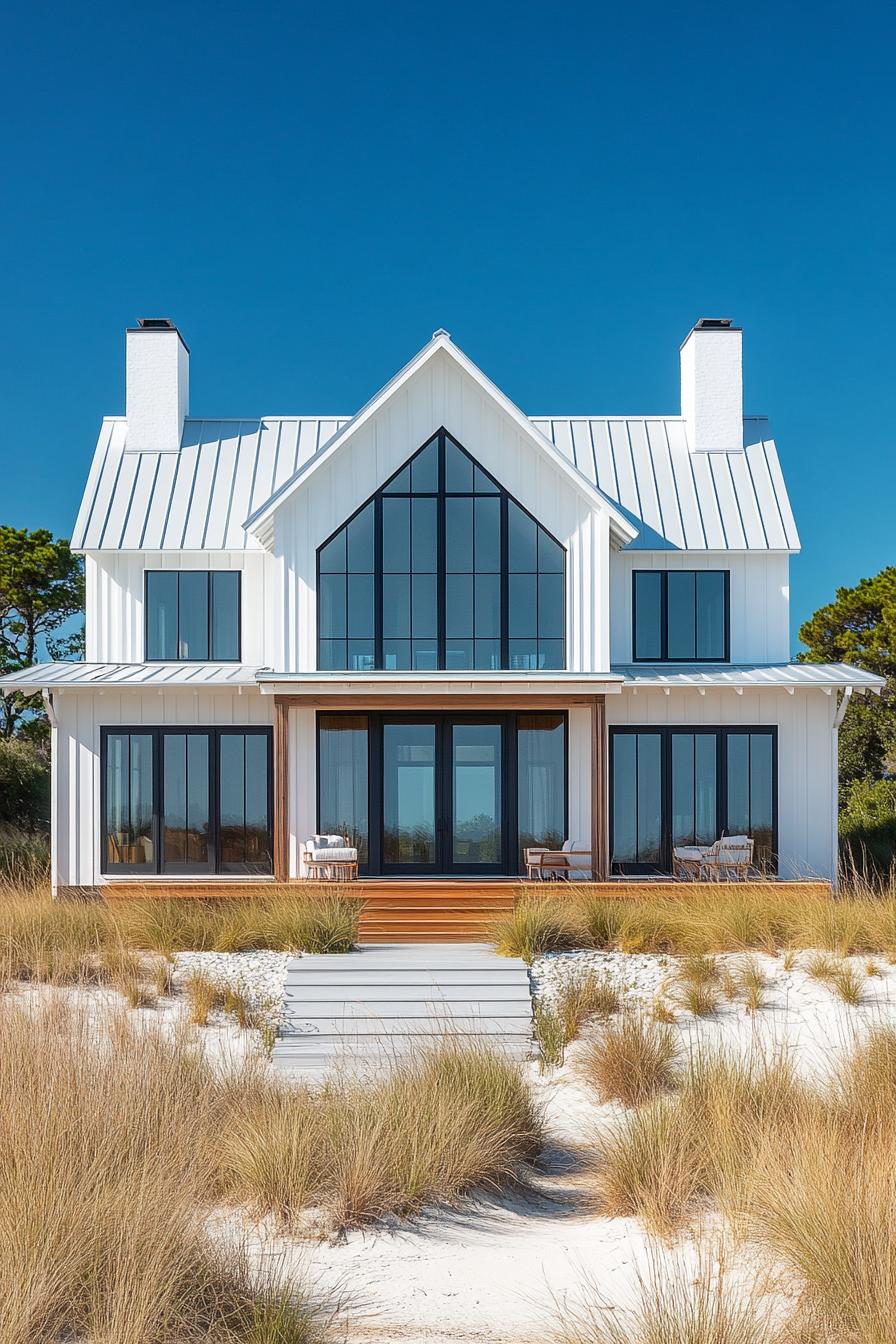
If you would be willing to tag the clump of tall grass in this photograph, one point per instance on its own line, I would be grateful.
(537, 924)
(107, 1167)
(699, 1145)
(438, 1124)
(630, 1059)
(697, 985)
(579, 997)
(847, 984)
(677, 1303)
(203, 996)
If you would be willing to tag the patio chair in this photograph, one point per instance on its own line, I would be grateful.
(327, 858)
(558, 865)
(729, 858)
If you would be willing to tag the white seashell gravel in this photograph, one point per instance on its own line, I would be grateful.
(259, 975)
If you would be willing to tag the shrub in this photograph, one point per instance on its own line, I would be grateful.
(24, 785)
(630, 1060)
(536, 924)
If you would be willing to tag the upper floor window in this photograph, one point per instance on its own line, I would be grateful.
(441, 569)
(681, 615)
(193, 615)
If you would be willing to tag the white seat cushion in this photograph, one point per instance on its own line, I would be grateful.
(334, 854)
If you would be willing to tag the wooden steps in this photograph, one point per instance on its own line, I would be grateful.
(432, 912)
(366, 1008)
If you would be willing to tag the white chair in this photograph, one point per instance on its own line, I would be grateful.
(327, 858)
(545, 865)
(730, 857)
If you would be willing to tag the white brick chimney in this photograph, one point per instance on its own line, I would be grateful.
(712, 386)
(157, 375)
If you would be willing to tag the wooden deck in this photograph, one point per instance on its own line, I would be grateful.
(440, 910)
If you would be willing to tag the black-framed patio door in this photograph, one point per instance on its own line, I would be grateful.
(443, 791)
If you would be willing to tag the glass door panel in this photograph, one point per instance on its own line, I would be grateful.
(409, 796)
(637, 785)
(186, 810)
(476, 796)
(694, 789)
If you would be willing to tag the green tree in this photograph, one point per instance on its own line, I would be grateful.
(859, 627)
(41, 588)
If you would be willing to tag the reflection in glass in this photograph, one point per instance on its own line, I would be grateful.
(192, 616)
(541, 781)
(648, 615)
(243, 803)
(161, 616)
(129, 801)
(751, 792)
(343, 754)
(637, 798)
(681, 615)
(186, 839)
(694, 789)
(476, 793)
(409, 794)
(442, 516)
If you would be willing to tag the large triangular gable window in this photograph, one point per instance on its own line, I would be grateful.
(441, 569)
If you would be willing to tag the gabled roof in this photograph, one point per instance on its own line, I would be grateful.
(441, 342)
(724, 501)
(230, 474)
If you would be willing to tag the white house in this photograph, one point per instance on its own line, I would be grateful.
(440, 625)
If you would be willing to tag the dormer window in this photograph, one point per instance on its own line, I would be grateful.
(192, 615)
(680, 616)
(441, 569)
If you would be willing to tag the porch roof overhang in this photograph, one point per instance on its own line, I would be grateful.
(132, 676)
(403, 689)
(828, 677)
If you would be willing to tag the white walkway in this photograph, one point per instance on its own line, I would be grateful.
(367, 1006)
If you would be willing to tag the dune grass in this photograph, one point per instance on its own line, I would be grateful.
(107, 1162)
(115, 1147)
(451, 1118)
(581, 996)
(630, 1059)
(74, 942)
(678, 1302)
(732, 917)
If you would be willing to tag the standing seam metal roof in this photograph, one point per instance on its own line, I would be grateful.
(199, 498)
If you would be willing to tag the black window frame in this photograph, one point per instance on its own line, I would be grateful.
(210, 605)
(666, 733)
(441, 494)
(664, 616)
(214, 735)
(444, 719)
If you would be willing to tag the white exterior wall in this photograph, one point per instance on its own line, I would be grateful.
(114, 617)
(80, 715)
(760, 599)
(807, 757)
(442, 394)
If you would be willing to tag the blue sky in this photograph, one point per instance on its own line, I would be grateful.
(309, 190)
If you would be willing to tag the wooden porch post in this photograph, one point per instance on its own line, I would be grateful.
(599, 809)
(281, 789)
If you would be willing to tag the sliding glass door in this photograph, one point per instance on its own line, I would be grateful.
(684, 786)
(443, 793)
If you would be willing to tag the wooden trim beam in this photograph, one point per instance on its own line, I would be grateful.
(281, 790)
(411, 703)
(599, 801)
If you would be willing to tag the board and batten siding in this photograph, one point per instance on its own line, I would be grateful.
(807, 757)
(76, 767)
(443, 395)
(760, 599)
(114, 604)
